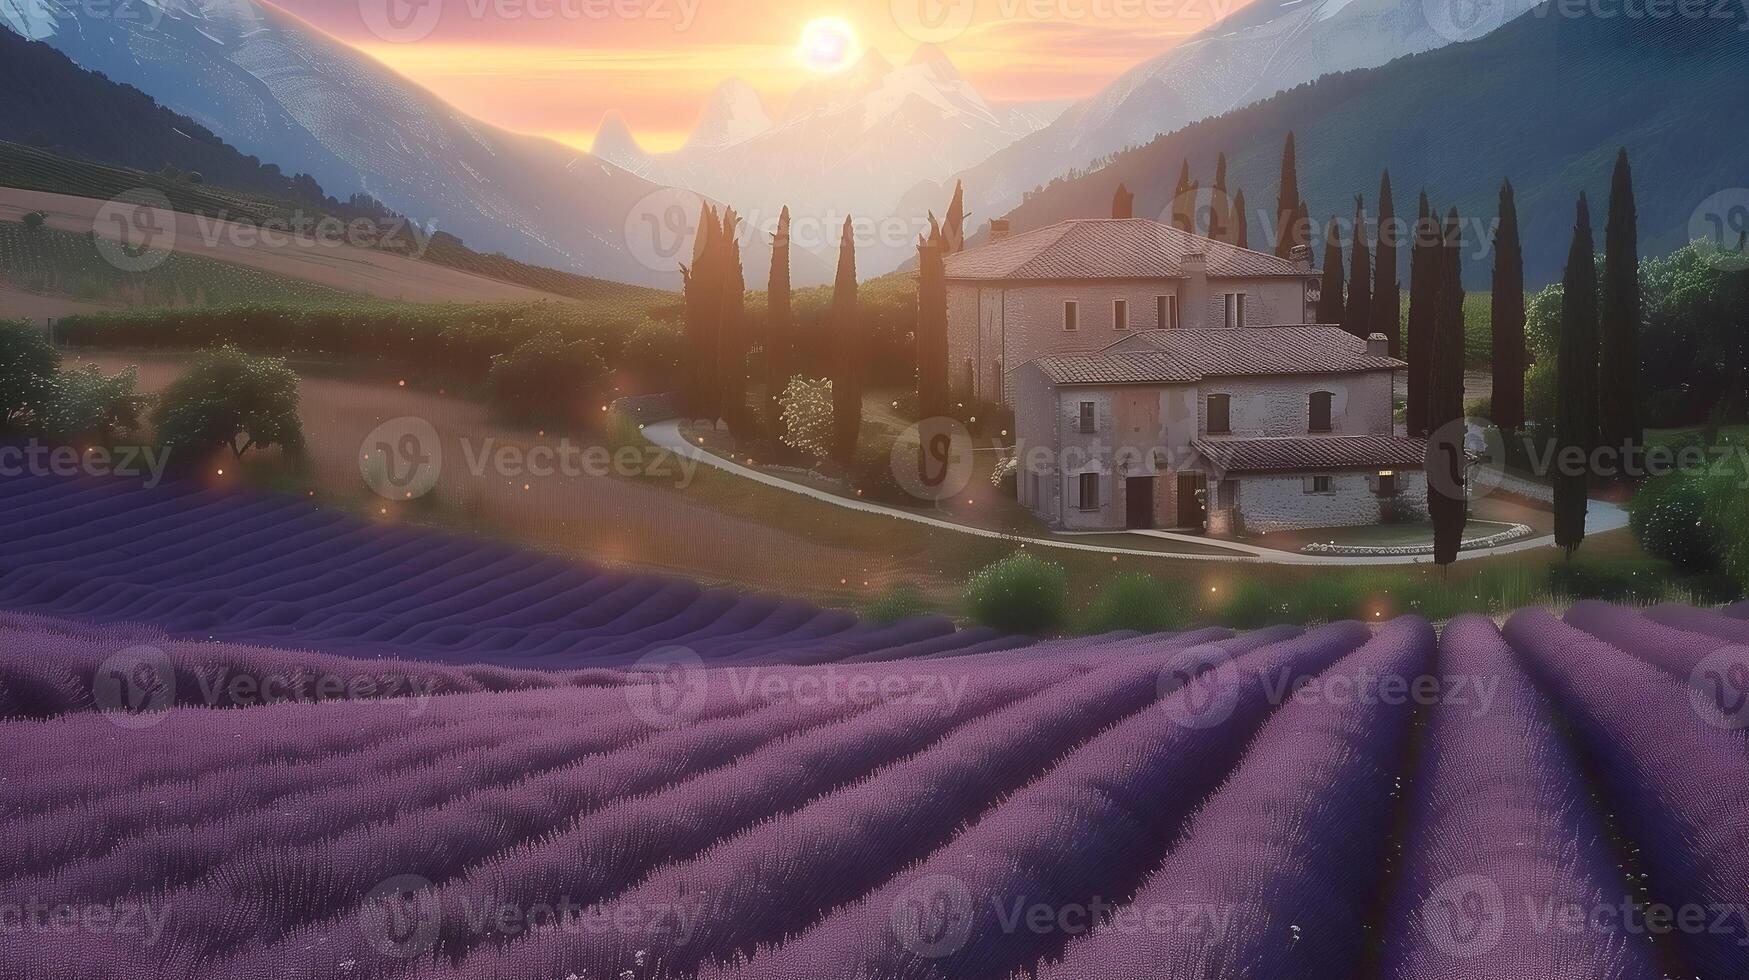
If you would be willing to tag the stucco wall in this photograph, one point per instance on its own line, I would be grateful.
(1033, 315)
(1360, 404)
(1276, 503)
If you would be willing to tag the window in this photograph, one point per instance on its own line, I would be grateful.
(1387, 485)
(1166, 312)
(1319, 484)
(1071, 315)
(1235, 310)
(1120, 314)
(1084, 423)
(1220, 415)
(1089, 488)
(1320, 412)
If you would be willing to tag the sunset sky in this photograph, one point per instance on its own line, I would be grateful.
(553, 67)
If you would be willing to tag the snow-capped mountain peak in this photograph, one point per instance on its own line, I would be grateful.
(733, 114)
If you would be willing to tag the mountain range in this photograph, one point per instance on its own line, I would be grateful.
(1264, 48)
(1547, 100)
(270, 85)
(849, 143)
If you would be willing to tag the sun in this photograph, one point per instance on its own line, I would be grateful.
(828, 44)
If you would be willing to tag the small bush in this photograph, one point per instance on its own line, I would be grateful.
(1669, 518)
(902, 601)
(35, 219)
(27, 373)
(86, 403)
(871, 475)
(1019, 594)
(1135, 601)
(547, 380)
(807, 416)
(229, 400)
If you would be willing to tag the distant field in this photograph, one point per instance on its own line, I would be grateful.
(26, 168)
(58, 265)
(335, 267)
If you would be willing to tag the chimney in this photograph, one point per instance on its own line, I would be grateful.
(998, 229)
(1301, 257)
(1378, 345)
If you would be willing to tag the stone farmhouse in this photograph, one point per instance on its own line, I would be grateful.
(1166, 380)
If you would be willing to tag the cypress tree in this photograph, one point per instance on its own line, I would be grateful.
(777, 331)
(1123, 203)
(1330, 292)
(1423, 286)
(1219, 219)
(955, 232)
(931, 325)
(1387, 292)
(847, 363)
(1619, 364)
(703, 303)
(1507, 313)
(1183, 200)
(1241, 234)
(1190, 211)
(1358, 310)
(1302, 228)
(1576, 376)
(1446, 501)
(1288, 206)
(733, 342)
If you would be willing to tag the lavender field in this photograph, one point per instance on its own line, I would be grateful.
(1560, 797)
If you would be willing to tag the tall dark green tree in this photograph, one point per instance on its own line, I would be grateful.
(1288, 206)
(1357, 311)
(1330, 308)
(1241, 234)
(1619, 360)
(932, 381)
(1507, 308)
(734, 342)
(848, 347)
(702, 284)
(1123, 203)
(1387, 292)
(954, 232)
(1423, 296)
(1576, 378)
(779, 344)
(1184, 201)
(1447, 502)
(1220, 218)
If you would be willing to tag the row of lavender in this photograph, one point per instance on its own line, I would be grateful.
(267, 570)
(1555, 799)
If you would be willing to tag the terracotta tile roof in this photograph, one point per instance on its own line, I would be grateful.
(1109, 248)
(1306, 453)
(1118, 369)
(1296, 349)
